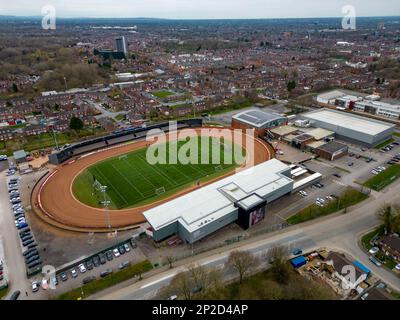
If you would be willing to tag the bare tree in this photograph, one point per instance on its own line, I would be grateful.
(170, 259)
(278, 257)
(242, 262)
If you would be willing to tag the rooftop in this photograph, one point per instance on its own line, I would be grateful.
(348, 121)
(319, 133)
(332, 147)
(215, 200)
(257, 118)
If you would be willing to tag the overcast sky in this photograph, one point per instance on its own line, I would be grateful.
(202, 9)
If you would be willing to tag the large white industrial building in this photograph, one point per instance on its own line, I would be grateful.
(351, 127)
(239, 198)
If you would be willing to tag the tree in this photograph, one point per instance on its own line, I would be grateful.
(242, 262)
(14, 87)
(389, 217)
(280, 268)
(75, 124)
(291, 85)
(170, 259)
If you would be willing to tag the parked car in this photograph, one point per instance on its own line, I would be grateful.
(103, 258)
(63, 276)
(96, 261)
(109, 255)
(374, 250)
(397, 267)
(121, 249)
(88, 279)
(105, 273)
(15, 295)
(116, 252)
(74, 274)
(82, 268)
(337, 175)
(127, 249)
(134, 245)
(123, 265)
(89, 264)
(297, 251)
(375, 261)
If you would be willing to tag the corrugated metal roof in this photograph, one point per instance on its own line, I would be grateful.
(217, 199)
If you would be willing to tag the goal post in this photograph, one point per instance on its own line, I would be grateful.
(218, 168)
(124, 157)
(160, 191)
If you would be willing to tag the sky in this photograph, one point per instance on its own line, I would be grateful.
(201, 9)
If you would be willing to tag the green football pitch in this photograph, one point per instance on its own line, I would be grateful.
(132, 181)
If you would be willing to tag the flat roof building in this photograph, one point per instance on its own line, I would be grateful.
(258, 120)
(239, 198)
(351, 127)
(332, 150)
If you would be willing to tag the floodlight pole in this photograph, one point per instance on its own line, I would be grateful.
(105, 204)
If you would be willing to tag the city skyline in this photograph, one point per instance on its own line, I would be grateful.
(208, 9)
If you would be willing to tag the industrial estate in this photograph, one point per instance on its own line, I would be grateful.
(130, 152)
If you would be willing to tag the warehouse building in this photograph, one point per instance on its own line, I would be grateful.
(350, 127)
(332, 150)
(258, 120)
(239, 198)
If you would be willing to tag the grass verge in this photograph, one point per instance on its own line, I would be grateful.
(348, 198)
(384, 144)
(103, 283)
(383, 179)
(3, 292)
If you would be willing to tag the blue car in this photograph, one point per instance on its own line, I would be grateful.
(297, 251)
(21, 226)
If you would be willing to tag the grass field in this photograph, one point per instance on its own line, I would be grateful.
(132, 181)
(383, 179)
(162, 94)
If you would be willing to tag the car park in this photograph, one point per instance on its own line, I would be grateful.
(28, 242)
(32, 258)
(33, 245)
(105, 273)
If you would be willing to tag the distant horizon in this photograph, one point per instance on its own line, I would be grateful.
(194, 19)
(201, 10)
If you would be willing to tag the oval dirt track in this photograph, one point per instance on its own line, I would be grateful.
(54, 201)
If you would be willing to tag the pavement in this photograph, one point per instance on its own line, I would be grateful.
(339, 232)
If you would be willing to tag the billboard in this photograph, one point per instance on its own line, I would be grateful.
(256, 216)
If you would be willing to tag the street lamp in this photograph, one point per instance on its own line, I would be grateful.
(105, 203)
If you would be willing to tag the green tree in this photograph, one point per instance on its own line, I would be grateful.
(389, 217)
(75, 124)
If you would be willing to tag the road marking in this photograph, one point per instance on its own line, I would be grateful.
(159, 280)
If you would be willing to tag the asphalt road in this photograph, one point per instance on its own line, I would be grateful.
(340, 232)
